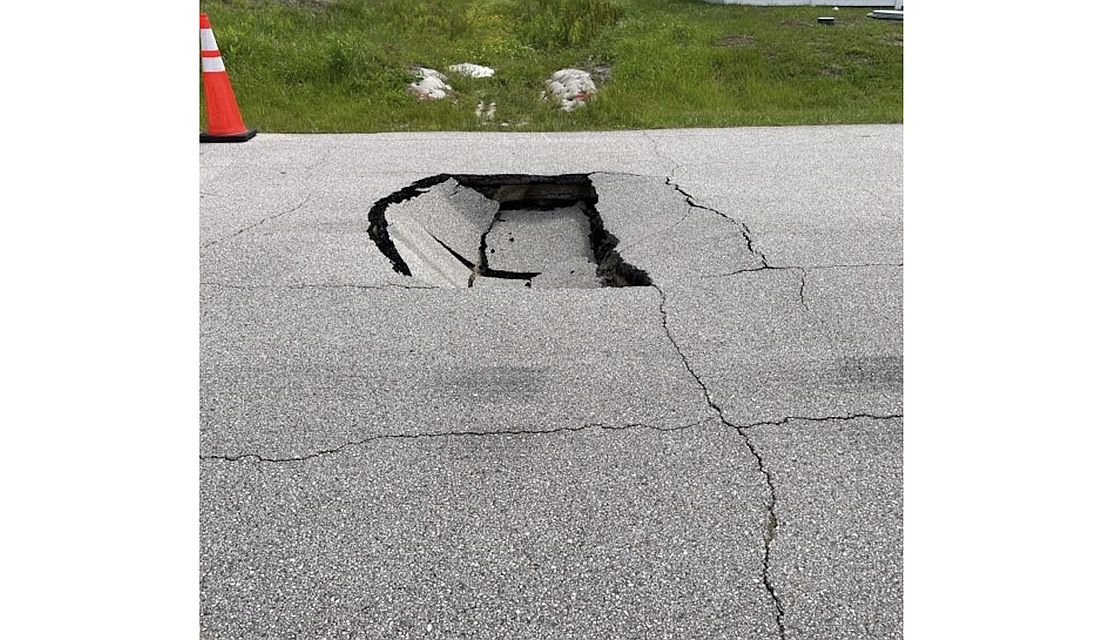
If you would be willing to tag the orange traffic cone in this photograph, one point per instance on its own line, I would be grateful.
(223, 119)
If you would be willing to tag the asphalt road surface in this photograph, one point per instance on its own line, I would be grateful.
(588, 385)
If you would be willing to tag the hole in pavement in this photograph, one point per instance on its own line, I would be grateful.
(505, 230)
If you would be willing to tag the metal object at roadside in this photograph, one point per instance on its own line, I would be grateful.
(887, 14)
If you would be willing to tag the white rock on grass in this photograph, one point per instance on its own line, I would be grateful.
(471, 70)
(571, 87)
(484, 113)
(432, 84)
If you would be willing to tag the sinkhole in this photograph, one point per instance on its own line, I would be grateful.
(505, 230)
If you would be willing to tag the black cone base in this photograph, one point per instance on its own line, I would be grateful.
(236, 137)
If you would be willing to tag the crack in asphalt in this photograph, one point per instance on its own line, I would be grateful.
(804, 268)
(748, 241)
(450, 434)
(803, 271)
(802, 290)
(790, 419)
(869, 265)
(538, 432)
(690, 199)
(801, 282)
(744, 228)
(253, 287)
(772, 524)
(256, 224)
(661, 156)
(708, 276)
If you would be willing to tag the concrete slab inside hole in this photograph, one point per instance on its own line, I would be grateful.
(503, 230)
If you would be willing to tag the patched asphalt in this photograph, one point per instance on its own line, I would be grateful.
(716, 454)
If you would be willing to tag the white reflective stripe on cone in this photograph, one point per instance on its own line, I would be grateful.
(213, 64)
(206, 38)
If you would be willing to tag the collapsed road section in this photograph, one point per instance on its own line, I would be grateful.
(501, 231)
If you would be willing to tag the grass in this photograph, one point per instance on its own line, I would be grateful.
(344, 65)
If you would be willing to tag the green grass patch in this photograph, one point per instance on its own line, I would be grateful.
(344, 66)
